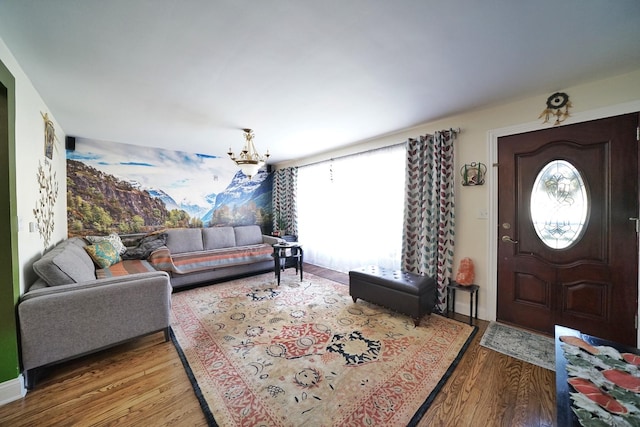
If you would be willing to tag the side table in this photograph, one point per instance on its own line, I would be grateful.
(290, 262)
(285, 251)
(451, 298)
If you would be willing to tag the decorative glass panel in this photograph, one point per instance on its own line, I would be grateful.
(559, 204)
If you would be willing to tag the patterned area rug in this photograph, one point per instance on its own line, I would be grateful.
(530, 347)
(304, 354)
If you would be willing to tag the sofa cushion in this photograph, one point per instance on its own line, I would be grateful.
(248, 235)
(181, 240)
(218, 237)
(66, 263)
(113, 238)
(103, 253)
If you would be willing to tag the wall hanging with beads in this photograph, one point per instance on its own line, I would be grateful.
(473, 173)
(558, 105)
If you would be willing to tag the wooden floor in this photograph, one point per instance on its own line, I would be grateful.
(143, 383)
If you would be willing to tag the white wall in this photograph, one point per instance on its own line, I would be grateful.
(29, 149)
(474, 236)
(29, 153)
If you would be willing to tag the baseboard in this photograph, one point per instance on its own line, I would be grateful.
(12, 390)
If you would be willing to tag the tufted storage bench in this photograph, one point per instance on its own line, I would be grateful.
(404, 292)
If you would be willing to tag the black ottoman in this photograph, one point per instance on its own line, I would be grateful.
(404, 292)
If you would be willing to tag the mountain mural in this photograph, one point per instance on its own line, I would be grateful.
(99, 203)
(127, 189)
(168, 201)
(244, 201)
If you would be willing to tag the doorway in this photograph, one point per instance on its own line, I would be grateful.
(9, 274)
(567, 252)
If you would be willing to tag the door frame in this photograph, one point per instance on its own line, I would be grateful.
(11, 385)
(492, 178)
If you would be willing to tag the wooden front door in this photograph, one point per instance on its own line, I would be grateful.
(567, 249)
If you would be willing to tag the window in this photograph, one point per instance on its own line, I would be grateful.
(559, 204)
(350, 210)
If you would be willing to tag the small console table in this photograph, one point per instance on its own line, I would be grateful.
(283, 252)
(451, 298)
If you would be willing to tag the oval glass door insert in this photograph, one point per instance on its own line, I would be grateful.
(559, 204)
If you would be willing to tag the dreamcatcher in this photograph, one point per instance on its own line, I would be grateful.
(558, 105)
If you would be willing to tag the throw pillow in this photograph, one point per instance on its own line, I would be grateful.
(113, 238)
(103, 253)
(147, 244)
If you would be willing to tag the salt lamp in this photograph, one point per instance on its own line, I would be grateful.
(466, 272)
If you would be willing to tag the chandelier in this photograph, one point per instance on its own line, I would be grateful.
(249, 160)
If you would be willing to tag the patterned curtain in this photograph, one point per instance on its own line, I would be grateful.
(285, 185)
(429, 219)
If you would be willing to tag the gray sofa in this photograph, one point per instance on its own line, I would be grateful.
(202, 255)
(68, 313)
(75, 308)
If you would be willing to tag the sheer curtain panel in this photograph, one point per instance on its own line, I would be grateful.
(350, 210)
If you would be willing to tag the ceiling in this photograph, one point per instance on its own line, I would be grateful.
(308, 76)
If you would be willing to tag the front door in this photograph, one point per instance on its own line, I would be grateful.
(567, 250)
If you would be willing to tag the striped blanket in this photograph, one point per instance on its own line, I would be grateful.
(122, 268)
(190, 262)
(161, 259)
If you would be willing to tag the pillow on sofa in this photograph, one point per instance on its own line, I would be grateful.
(182, 240)
(103, 253)
(66, 263)
(218, 238)
(147, 244)
(248, 235)
(113, 238)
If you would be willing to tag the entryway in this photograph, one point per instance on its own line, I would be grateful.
(567, 250)
(9, 272)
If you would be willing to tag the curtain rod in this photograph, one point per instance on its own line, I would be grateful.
(456, 131)
(354, 154)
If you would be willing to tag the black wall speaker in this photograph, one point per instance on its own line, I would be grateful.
(70, 143)
(269, 168)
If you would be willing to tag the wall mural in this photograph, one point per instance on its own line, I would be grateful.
(128, 189)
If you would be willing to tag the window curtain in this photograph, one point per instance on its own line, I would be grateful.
(285, 212)
(429, 219)
(351, 208)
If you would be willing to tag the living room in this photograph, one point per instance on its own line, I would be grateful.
(603, 92)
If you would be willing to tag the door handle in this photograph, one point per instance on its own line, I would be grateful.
(637, 221)
(508, 239)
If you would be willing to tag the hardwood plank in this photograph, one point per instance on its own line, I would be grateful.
(143, 383)
(138, 383)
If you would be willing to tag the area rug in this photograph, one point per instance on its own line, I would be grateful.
(530, 347)
(303, 353)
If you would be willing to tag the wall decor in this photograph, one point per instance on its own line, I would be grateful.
(473, 173)
(129, 189)
(44, 210)
(49, 135)
(558, 105)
